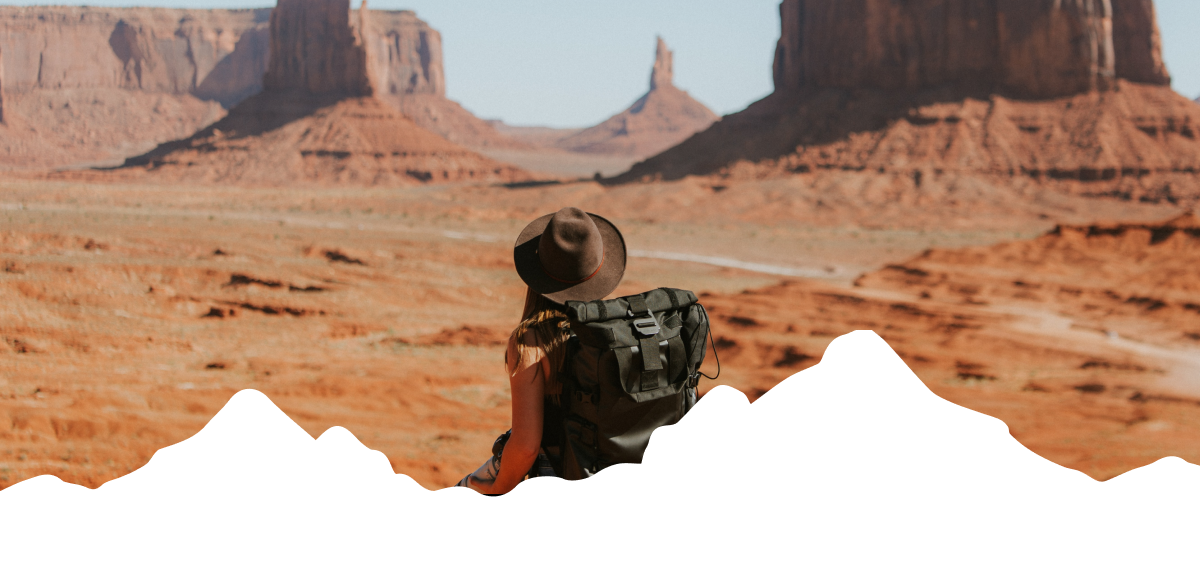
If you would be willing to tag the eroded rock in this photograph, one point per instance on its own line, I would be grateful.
(660, 119)
(1023, 48)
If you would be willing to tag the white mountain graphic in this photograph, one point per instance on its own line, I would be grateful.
(851, 463)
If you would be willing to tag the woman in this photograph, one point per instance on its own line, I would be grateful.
(566, 256)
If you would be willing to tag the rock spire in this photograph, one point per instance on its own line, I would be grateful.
(663, 73)
(660, 119)
(315, 49)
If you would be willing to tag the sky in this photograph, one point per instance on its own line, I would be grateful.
(573, 63)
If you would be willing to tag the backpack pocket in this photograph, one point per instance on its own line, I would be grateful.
(654, 368)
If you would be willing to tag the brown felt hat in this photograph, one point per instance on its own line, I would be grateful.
(570, 255)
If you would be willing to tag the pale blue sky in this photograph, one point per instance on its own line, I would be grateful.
(575, 62)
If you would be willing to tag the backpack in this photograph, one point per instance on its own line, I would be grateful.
(631, 365)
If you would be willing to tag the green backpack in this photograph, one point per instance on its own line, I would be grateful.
(632, 365)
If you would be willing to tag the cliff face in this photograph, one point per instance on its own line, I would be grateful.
(1137, 43)
(406, 55)
(1022, 48)
(150, 50)
(315, 49)
(218, 55)
(93, 85)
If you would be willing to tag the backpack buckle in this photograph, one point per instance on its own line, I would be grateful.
(646, 326)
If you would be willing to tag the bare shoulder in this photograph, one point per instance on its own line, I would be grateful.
(529, 349)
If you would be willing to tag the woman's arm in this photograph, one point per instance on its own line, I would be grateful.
(525, 443)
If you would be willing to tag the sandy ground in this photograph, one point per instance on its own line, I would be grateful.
(131, 313)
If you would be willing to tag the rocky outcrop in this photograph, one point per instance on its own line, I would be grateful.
(1021, 48)
(1137, 44)
(663, 74)
(660, 119)
(406, 55)
(94, 85)
(100, 84)
(151, 50)
(978, 88)
(314, 49)
(317, 119)
(391, 55)
(218, 55)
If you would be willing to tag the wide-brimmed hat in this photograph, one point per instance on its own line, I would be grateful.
(570, 255)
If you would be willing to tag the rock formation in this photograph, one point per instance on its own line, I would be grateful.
(1021, 48)
(98, 84)
(1137, 43)
(317, 119)
(151, 50)
(406, 56)
(219, 55)
(94, 85)
(658, 120)
(1048, 90)
(663, 73)
(314, 49)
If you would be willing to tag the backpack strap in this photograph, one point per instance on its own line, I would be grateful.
(651, 363)
(637, 305)
(673, 297)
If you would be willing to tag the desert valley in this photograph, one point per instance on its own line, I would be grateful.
(200, 201)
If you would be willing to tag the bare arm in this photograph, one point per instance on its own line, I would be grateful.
(525, 443)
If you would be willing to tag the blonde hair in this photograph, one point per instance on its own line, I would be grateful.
(550, 328)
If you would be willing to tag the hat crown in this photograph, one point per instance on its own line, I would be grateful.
(571, 249)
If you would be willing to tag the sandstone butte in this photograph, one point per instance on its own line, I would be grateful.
(1069, 93)
(660, 119)
(318, 119)
(86, 85)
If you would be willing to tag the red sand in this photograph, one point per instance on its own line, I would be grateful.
(133, 312)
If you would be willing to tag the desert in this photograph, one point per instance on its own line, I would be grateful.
(329, 229)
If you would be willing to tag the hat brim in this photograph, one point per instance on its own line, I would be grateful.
(529, 265)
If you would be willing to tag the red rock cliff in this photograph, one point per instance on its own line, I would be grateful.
(1137, 43)
(406, 54)
(318, 119)
(98, 84)
(986, 94)
(1024, 48)
(315, 49)
(150, 50)
(218, 55)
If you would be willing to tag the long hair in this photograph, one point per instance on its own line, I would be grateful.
(550, 328)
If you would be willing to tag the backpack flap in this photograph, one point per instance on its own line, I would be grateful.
(637, 341)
